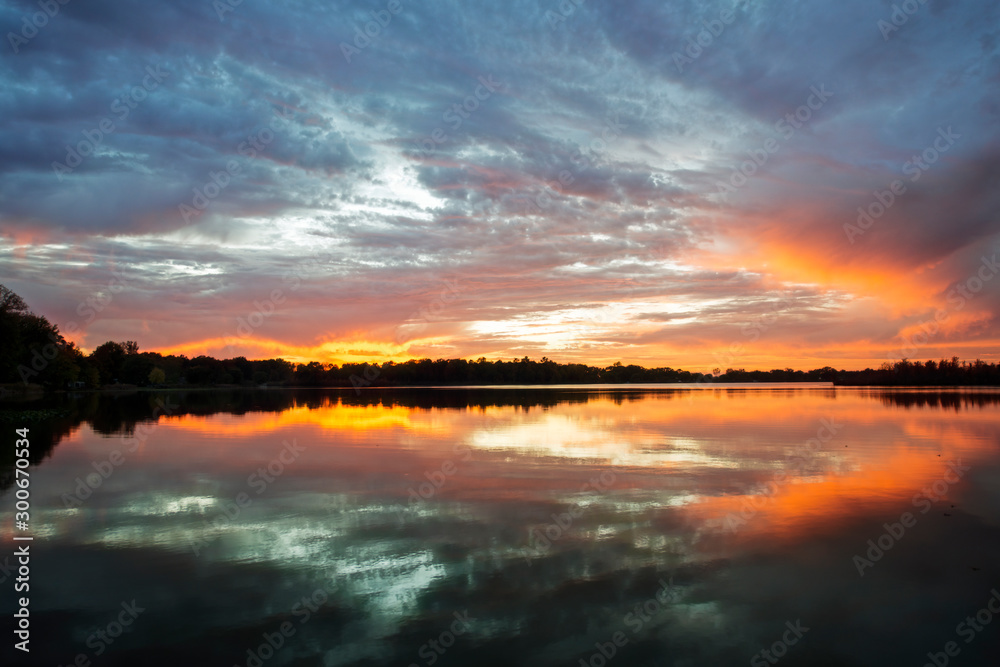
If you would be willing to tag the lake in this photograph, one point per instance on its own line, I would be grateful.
(514, 526)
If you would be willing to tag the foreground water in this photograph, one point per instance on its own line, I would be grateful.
(514, 527)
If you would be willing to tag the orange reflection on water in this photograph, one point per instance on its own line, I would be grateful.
(331, 417)
(888, 478)
(706, 454)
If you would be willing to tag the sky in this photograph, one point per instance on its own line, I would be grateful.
(686, 184)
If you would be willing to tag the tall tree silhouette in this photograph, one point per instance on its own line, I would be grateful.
(33, 349)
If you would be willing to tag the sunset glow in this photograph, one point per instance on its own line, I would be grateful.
(477, 182)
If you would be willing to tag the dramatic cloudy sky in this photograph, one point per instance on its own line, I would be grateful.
(586, 206)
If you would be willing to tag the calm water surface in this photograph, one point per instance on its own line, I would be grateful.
(515, 527)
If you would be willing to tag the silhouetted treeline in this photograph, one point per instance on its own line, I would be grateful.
(948, 400)
(525, 371)
(35, 352)
(480, 372)
(943, 373)
(446, 372)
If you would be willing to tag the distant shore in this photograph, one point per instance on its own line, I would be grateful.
(31, 392)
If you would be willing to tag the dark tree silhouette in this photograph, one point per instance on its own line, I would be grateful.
(33, 349)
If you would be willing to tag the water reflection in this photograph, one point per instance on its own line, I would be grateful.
(547, 515)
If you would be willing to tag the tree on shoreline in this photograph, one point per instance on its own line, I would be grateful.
(34, 350)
